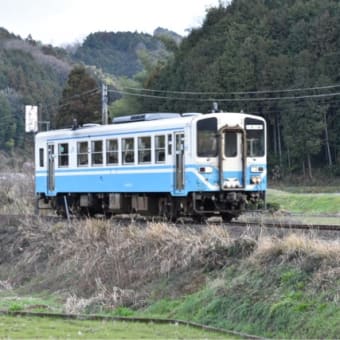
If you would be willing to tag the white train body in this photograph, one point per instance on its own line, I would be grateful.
(171, 165)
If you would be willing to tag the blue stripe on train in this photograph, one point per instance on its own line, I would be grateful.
(133, 179)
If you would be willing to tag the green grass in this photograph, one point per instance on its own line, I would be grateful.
(46, 328)
(315, 189)
(322, 203)
(273, 304)
(37, 303)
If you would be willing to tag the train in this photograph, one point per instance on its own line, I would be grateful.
(170, 165)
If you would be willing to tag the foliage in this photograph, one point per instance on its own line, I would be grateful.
(117, 53)
(7, 125)
(35, 74)
(30, 74)
(244, 48)
(80, 100)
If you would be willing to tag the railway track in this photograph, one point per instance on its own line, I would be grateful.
(290, 225)
(15, 220)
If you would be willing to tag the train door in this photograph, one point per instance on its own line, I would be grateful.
(232, 158)
(50, 168)
(179, 162)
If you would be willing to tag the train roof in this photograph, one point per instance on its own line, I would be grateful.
(151, 121)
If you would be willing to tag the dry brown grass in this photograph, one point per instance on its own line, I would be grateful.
(298, 246)
(17, 189)
(318, 258)
(5, 285)
(113, 263)
(125, 256)
(99, 263)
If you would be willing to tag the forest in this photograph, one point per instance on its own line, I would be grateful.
(29, 75)
(278, 59)
(118, 53)
(65, 82)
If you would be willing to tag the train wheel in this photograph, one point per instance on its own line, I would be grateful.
(167, 209)
(198, 218)
(227, 217)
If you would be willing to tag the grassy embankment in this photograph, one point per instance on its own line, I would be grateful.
(287, 288)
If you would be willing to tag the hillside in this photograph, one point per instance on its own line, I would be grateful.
(278, 59)
(30, 74)
(119, 53)
(35, 74)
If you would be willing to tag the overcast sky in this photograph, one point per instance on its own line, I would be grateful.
(59, 22)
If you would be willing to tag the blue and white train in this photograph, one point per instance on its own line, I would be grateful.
(159, 164)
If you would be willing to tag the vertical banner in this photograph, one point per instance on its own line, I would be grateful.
(31, 118)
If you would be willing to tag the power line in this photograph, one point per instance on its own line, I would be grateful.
(69, 100)
(321, 95)
(300, 89)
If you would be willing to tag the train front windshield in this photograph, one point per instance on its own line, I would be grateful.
(207, 137)
(255, 133)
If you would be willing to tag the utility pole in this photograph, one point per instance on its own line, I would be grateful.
(104, 105)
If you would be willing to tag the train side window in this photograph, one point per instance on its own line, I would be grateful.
(169, 144)
(160, 149)
(128, 150)
(41, 157)
(63, 155)
(82, 154)
(144, 149)
(230, 144)
(207, 137)
(112, 151)
(255, 133)
(97, 152)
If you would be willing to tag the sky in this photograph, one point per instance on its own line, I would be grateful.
(63, 22)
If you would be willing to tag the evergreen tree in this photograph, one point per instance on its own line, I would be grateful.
(7, 125)
(258, 56)
(81, 100)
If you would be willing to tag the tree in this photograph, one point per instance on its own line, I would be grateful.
(7, 126)
(81, 100)
(271, 58)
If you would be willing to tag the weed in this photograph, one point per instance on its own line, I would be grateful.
(14, 307)
(123, 311)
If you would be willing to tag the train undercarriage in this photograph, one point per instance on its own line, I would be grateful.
(197, 205)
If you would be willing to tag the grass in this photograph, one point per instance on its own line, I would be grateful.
(315, 203)
(271, 287)
(13, 301)
(45, 328)
(315, 189)
(287, 288)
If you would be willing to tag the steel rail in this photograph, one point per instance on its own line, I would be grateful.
(288, 225)
(17, 219)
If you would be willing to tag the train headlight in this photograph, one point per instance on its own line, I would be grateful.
(231, 183)
(255, 179)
